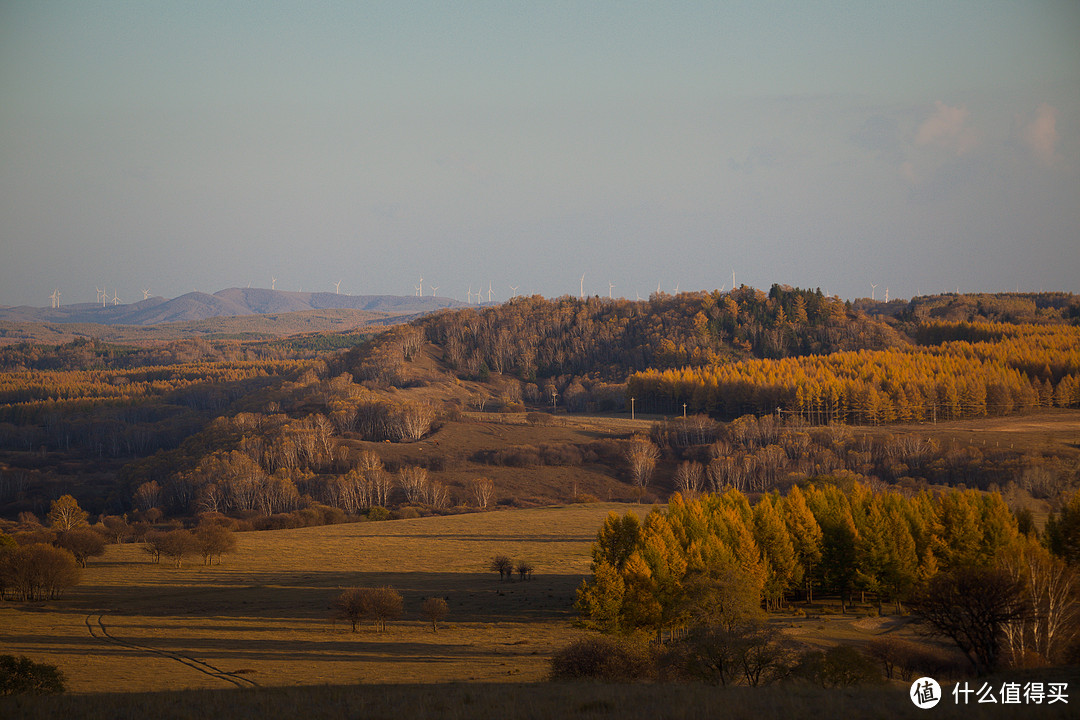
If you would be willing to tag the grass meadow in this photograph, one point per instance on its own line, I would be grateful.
(254, 637)
(264, 616)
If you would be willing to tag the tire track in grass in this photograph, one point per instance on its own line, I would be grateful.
(202, 666)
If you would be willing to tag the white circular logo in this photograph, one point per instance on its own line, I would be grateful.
(925, 693)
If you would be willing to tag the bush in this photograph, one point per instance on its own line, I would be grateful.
(23, 676)
(839, 666)
(603, 658)
(906, 659)
(378, 513)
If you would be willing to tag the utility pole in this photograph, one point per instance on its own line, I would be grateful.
(631, 408)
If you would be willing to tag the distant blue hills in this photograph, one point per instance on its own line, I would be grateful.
(233, 302)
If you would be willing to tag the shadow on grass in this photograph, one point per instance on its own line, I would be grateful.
(472, 597)
(537, 700)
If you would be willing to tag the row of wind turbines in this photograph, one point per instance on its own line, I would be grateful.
(418, 291)
(102, 297)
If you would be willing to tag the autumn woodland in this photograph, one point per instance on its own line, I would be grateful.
(744, 489)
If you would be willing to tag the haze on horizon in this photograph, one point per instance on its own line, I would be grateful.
(174, 146)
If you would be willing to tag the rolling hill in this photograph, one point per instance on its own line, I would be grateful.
(233, 302)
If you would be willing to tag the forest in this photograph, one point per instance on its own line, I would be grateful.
(269, 428)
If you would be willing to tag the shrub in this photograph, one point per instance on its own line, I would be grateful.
(21, 675)
(434, 609)
(839, 666)
(603, 658)
(378, 513)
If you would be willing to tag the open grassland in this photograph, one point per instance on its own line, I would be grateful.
(254, 638)
(1051, 431)
(264, 615)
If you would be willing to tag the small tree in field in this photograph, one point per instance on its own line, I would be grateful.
(386, 604)
(214, 541)
(176, 545)
(483, 489)
(376, 604)
(434, 609)
(641, 455)
(350, 606)
(116, 527)
(83, 543)
(38, 571)
(152, 543)
(524, 570)
(971, 606)
(504, 566)
(65, 514)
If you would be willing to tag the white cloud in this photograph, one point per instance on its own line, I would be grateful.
(948, 129)
(1040, 134)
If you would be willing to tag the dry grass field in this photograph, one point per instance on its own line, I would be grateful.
(264, 615)
(1052, 431)
(254, 637)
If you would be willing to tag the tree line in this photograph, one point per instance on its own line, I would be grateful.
(718, 560)
(1036, 366)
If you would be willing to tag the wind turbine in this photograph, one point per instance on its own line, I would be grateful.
(886, 294)
(470, 294)
(115, 299)
(676, 288)
(610, 286)
(489, 291)
(434, 289)
(337, 288)
(513, 289)
(420, 287)
(873, 288)
(146, 294)
(100, 292)
(55, 298)
(273, 282)
(581, 288)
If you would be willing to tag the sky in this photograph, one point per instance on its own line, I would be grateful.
(199, 145)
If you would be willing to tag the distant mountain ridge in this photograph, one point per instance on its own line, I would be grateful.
(232, 302)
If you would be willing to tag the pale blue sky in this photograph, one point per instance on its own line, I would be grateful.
(921, 146)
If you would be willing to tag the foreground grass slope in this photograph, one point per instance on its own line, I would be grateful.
(540, 701)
